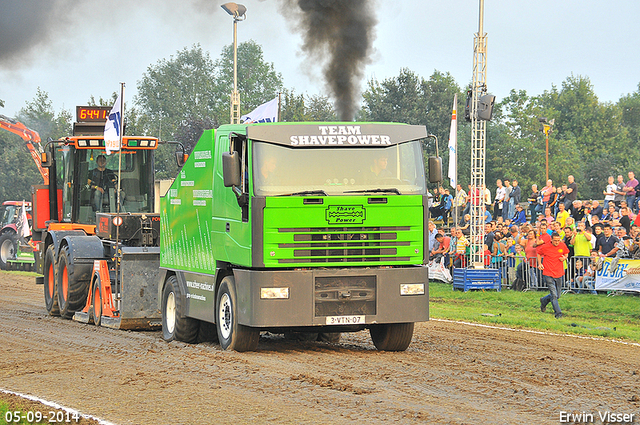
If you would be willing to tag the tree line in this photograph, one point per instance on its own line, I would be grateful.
(177, 98)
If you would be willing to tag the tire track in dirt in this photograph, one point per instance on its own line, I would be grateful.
(452, 373)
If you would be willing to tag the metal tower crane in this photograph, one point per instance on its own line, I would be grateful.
(478, 143)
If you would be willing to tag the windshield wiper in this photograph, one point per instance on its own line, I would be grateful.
(390, 190)
(308, 192)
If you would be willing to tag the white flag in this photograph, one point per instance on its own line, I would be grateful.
(25, 230)
(453, 144)
(112, 128)
(267, 112)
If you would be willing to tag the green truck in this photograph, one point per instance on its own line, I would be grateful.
(307, 228)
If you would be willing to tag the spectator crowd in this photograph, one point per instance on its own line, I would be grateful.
(513, 242)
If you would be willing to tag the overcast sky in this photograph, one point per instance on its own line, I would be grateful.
(73, 49)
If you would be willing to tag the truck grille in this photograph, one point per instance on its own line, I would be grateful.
(343, 296)
(344, 245)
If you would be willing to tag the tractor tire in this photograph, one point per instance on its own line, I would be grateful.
(231, 334)
(72, 288)
(392, 336)
(96, 311)
(175, 324)
(50, 288)
(8, 248)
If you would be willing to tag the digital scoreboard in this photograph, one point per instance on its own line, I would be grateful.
(92, 113)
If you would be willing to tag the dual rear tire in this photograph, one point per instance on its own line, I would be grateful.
(65, 285)
(175, 324)
(73, 285)
(50, 288)
(228, 332)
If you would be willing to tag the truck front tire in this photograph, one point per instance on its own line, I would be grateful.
(175, 324)
(392, 336)
(231, 334)
(50, 289)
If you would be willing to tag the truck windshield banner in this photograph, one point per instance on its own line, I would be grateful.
(337, 135)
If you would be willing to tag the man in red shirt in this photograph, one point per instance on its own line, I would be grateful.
(551, 258)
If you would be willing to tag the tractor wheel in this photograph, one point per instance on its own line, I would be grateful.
(392, 336)
(8, 248)
(231, 334)
(97, 300)
(72, 289)
(50, 289)
(175, 324)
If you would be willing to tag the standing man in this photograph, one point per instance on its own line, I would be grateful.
(533, 202)
(486, 195)
(546, 193)
(551, 258)
(459, 203)
(630, 192)
(619, 193)
(571, 194)
(609, 192)
(516, 196)
(499, 199)
(507, 208)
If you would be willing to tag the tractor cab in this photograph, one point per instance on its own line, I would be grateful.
(87, 180)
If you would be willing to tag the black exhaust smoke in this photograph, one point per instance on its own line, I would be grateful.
(339, 33)
(27, 25)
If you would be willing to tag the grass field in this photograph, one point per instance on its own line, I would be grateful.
(584, 314)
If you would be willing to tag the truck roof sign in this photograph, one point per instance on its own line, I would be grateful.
(336, 135)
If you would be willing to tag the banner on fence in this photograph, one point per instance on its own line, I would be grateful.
(626, 277)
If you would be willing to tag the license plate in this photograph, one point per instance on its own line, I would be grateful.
(345, 320)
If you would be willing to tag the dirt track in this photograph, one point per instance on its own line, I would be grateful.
(451, 374)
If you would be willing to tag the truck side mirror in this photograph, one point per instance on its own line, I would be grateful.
(231, 169)
(435, 169)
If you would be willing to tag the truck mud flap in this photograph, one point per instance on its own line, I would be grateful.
(139, 270)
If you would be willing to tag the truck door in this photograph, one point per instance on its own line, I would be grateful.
(231, 209)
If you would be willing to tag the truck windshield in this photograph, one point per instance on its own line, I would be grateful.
(280, 170)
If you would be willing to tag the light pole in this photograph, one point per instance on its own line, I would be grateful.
(238, 12)
(546, 129)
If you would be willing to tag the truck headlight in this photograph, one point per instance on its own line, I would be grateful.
(412, 289)
(274, 293)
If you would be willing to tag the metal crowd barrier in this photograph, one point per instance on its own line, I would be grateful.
(523, 273)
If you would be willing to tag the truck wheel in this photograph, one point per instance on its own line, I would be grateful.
(50, 297)
(332, 337)
(175, 325)
(72, 291)
(97, 300)
(231, 334)
(8, 248)
(392, 336)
